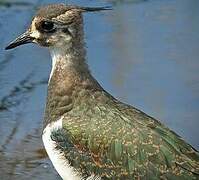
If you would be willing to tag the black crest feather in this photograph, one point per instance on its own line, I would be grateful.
(93, 9)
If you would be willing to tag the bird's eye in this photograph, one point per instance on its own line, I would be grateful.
(47, 26)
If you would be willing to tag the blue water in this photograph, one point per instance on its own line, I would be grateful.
(144, 52)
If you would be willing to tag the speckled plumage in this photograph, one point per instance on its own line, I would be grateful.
(101, 136)
(116, 141)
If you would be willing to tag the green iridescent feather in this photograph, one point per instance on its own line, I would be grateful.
(116, 141)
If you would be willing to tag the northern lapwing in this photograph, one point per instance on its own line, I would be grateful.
(88, 134)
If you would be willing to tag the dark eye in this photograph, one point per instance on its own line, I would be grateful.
(47, 26)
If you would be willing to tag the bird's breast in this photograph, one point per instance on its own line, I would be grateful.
(59, 161)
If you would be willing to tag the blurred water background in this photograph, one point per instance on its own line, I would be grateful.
(144, 52)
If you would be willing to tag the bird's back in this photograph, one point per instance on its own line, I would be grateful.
(113, 140)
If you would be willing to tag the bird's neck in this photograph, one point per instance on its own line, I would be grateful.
(66, 61)
(70, 76)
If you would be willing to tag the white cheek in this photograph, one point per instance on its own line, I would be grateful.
(65, 36)
(59, 40)
(35, 34)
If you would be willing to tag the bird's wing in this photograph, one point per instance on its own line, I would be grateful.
(114, 140)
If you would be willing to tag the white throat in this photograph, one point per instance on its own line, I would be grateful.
(59, 56)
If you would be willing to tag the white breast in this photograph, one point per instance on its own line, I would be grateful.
(61, 164)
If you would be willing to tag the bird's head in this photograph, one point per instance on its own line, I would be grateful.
(55, 25)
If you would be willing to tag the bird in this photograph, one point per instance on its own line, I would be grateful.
(88, 133)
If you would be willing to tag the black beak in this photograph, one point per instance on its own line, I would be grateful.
(23, 39)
